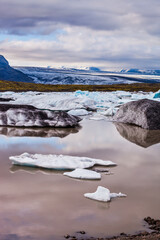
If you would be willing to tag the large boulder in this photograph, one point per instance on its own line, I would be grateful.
(144, 113)
(29, 116)
(10, 74)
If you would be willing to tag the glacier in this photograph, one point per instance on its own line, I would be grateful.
(88, 76)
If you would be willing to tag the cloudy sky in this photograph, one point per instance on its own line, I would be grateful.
(80, 33)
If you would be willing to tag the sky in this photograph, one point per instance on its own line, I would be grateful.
(81, 33)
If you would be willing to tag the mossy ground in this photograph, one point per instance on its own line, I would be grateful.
(21, 86)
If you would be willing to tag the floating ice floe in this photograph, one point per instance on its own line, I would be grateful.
(83, 174)
(59, 162)
(97, 117)
(103, 194)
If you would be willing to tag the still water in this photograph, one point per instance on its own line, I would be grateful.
(44, 205)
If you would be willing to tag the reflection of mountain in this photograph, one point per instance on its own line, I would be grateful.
(37, 132)
(137, 135)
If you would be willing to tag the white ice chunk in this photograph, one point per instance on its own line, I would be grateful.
(109, 112)
(100, 101)
(83, 174)
(97, 118)
(114, 195)
(78, 112)
(57, 161)
(103, 194)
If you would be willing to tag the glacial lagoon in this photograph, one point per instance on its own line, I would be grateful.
(40, 204)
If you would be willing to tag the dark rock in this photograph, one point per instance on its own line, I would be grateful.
(82, 232)
(6, 99)
(67, 236)
(123, 234)
(138, 135)
(29, 116)
(101, 170)
(10, 74)
(144, 113)
(153, 224)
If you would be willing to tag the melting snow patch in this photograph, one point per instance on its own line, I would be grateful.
(83, 174)
(57, 161)
(103, 194)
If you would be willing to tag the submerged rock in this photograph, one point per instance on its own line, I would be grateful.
(138, 135)
(29, 116)
(144, 113)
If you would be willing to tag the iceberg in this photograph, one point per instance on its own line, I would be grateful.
(105, 103)
(157, 94)
(83, 174)
(58, 162)
(103, 194)
(29, 116)
(78, 112)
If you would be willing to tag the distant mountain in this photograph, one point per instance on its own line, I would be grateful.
(10, 74)
(139, 71)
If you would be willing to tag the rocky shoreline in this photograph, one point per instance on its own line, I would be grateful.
(153, 225)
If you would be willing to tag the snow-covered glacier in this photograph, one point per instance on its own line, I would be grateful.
(87, 77)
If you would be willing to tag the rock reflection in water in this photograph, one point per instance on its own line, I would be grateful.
(38, 132)
(138, 135)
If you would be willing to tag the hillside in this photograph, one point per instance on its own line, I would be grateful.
(10, 74)
(21, 86)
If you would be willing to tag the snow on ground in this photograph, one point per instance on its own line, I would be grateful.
(105, 103)
(60, 162)
(103, 194)
(83, 174)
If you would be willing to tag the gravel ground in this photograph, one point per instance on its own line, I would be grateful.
(153, 224)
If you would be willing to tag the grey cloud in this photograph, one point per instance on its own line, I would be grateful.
(35, 16)
(117, 31)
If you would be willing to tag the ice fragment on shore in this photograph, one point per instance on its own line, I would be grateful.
(57, 161)
(103, 194)
(83, 174)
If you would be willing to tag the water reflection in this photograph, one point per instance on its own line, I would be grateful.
(48, 206)
(33, 170)
(138, 135)
(38, 132)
